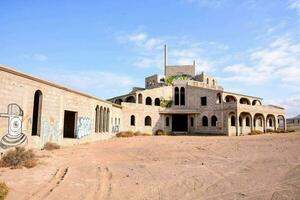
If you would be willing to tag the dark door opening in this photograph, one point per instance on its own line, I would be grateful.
(37, 112)
(70, 120)
(179, 123)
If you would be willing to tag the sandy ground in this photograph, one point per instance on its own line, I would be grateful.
(165, 167)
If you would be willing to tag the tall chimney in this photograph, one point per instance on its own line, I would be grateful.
(166, 58)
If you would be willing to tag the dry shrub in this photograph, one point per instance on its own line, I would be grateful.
(270, 131)
(280, 131)
(162, 132)
(18, 157)
(125, 134)
(131, 134)
(138, 133)
(3, 191)
(291, 130)
(256, 133)
(51, 146)
(30, 163)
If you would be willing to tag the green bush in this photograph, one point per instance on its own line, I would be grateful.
(166, 103)
(170, 80)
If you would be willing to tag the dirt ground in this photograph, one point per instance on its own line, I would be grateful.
(165, 167)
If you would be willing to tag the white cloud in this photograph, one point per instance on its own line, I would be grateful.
(278, 61)
(150, 51)
(141, 40)
(90, 81)
(245, 74)
(295, 4)
(147, 62)
(291, 104)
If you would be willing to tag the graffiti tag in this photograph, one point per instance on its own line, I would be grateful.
(14, 137)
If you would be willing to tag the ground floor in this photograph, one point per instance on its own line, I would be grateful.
(165, 167)
(243, 123)
(231, 122)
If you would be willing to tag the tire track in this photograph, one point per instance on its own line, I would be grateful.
(104, 188)
(53, 183)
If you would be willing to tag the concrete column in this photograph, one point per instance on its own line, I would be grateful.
(166, 59)
(265, 124)
(237, 125)
(252, 123)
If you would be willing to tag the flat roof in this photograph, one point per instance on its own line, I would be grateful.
(33, 78)
(242, 95)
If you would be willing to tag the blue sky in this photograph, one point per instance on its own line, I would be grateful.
(106, 47)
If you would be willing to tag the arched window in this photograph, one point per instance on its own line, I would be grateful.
(270, 122)
(130, 99)
(167, 121)
(104, 120)
(214, 82)
(132, 120)
(118, 101)
(230, 98)
(232, 121)
(107, 120)
(244, 101)
(219, 98)
(147, 121)
(207, 81)
(157, 102)
(140, 98)
(176, 96)
(97, 113)
(148, 101)
(214, 121)
(259, 122)
(204, 121)
(247, 121)
(37, 112)
(192, 121)
(240, 121)
(101, 120)
(182, 96)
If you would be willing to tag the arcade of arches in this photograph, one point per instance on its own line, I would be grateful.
(102, 119)
(246, 122)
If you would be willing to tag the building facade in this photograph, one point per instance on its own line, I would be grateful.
(293, 123)
(34, 111)
(185, 102)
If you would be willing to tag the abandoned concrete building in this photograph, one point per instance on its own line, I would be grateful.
(34, 111)
(185, 102)
(293, 123)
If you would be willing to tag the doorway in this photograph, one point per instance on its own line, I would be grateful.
(180, 123)
(70, 120)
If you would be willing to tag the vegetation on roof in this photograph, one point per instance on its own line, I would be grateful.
(165, 103)
(171, 79)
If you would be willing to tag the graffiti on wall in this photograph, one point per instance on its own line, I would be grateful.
(84, 127)
(14, 136)
(51, 131)
(115, 129)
